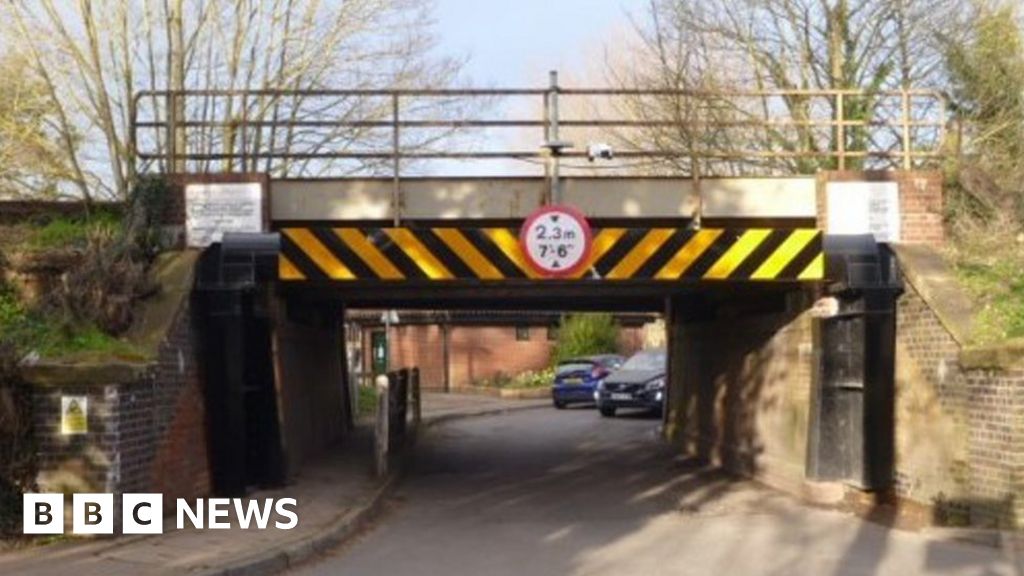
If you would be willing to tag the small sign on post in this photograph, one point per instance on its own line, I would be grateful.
(556, 241)
(74, 415)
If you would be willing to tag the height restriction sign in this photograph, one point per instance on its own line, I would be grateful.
(556, 240)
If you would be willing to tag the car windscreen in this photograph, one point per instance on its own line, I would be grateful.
(570, 367)
(648, 360)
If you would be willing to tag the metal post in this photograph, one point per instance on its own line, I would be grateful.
(172, 130)
(133, 139)
(556, 182)
(840, 131)
(546, 120)
(380, 437)
(414, 390)
(395, 167)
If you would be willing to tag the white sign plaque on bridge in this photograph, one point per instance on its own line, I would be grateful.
(211, 209)
(556, 240)
(864, 208)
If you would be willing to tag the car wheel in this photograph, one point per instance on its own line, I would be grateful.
(608, 411)
(559, 404)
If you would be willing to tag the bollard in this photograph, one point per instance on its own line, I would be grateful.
(398, 391)
(417, 408)
(380, 444)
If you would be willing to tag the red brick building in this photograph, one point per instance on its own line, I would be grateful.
(459, 348)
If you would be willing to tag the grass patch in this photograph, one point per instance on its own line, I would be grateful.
(31, 330)
(66, 232)
(991, 267)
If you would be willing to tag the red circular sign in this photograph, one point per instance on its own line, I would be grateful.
(556, 240)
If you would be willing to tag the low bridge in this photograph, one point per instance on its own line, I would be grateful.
(772, 265)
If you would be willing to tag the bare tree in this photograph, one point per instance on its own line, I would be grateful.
(92, 56)
(785, 51)
(31, 163)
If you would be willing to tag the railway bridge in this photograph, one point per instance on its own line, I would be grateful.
(780, 269)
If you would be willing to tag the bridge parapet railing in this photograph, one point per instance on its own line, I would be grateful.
(408, 132)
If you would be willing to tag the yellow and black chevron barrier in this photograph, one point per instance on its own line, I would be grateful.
(493, 254)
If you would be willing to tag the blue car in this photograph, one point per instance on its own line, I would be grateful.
(577, 379)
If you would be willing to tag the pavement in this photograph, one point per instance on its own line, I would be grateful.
(336, 495)
(567, 492)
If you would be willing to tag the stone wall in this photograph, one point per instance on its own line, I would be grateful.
(740, 392)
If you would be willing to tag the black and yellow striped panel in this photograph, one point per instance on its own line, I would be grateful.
(493, 254)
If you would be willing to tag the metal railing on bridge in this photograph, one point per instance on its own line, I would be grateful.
(337, 133)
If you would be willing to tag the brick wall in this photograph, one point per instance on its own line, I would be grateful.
(77, 463)
(476, 352)
(959, 431)
(419, 345)
(996, 446)
(146, 434)
(921, 201)
(931, 407)
(479, 353)
(180, 465)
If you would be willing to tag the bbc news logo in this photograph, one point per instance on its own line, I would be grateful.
(144, 513)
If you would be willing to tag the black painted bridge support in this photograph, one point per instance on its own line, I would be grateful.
(237, 369)
(852, 420)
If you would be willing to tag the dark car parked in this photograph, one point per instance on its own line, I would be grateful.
(576, 379)
(639, 383)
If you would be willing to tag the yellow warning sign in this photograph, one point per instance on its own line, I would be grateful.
(74, 415)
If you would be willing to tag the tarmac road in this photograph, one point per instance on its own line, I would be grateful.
(567, 492)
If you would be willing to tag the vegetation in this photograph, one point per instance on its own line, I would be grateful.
(584, 334)
(992, 270)
(78, 66)
(72, 232)
(367, 403)
(26, 331)
(527, 379)
(985, 170)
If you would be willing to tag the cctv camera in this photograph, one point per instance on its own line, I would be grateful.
(600, 150)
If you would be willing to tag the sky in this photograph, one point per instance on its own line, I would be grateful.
(515, 43)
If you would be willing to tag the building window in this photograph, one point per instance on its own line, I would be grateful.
(552, 332)
(523, 333)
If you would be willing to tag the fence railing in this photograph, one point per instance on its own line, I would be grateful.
(384, 132)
